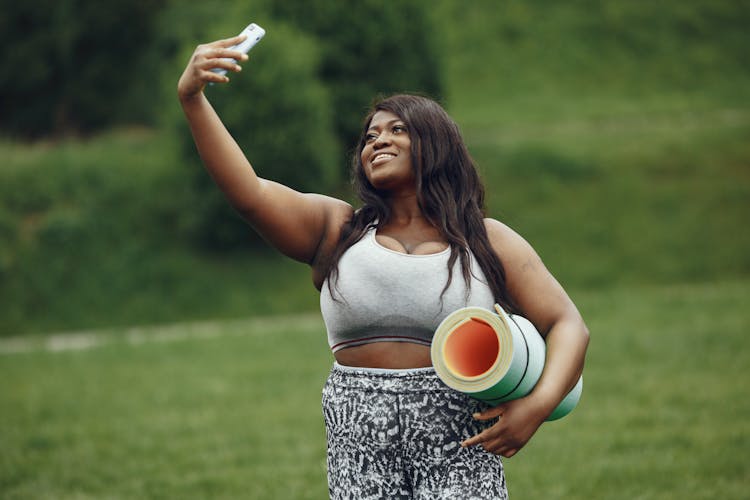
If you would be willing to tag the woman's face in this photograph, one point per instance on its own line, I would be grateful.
(386, 155)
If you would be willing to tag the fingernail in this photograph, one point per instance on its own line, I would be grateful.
(476, 415)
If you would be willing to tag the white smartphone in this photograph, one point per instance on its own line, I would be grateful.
(254, 34)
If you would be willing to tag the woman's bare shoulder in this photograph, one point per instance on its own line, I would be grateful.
(500, 234)
(511, 248)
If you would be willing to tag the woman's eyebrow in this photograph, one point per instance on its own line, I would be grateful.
(389, 122)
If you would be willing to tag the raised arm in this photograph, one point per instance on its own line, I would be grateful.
(297, 224)
(543, 302)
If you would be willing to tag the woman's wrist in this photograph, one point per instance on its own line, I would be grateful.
(193, 104)
(543, 402)
(188, 98)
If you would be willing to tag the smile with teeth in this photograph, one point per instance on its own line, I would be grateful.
(382, 158)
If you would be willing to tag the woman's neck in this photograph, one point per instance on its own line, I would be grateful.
(405, 210)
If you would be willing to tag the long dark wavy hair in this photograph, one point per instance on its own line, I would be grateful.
(449, 192)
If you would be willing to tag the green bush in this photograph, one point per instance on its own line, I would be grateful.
(280, 115)
(79, 222)
(8, 237)
(369, 49)
(75, 66)
(299, 104)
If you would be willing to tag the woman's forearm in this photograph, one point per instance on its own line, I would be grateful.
(220, 153)
(566, 343)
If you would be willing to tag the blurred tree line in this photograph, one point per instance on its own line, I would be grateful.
(75, 66)
(78, 67)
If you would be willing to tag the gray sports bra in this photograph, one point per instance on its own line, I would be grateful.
(383, 295)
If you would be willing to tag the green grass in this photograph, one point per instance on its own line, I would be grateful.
(232, 409)
(628, 194)
(662, 412)
(211, 415)
(613, 135)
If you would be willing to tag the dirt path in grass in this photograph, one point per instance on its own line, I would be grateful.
(90, 339)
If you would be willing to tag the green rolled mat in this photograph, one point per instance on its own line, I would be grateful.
(493, 357)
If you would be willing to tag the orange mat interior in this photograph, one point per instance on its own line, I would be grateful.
(472, 348)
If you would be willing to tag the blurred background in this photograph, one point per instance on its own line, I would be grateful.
(614, 136)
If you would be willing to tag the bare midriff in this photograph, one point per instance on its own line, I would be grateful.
(392, 355)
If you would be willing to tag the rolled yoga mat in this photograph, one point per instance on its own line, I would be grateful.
(493, 357)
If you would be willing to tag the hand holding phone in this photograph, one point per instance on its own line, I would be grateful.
(253, 34)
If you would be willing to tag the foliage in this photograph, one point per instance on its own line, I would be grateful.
(83, 214)
(91, 65)
(304, 97)
(279, 113)
(368, 50)
(98, 233)
(75, 66)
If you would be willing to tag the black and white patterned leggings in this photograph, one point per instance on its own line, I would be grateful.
(396, 434)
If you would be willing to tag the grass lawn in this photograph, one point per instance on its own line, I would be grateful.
(231, 409)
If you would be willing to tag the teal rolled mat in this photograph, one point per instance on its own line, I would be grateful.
(493, 356)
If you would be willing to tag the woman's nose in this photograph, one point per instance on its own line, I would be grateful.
(382, 140)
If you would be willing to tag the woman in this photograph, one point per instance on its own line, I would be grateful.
(388, 273)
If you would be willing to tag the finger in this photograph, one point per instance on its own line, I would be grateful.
(496, 446)
(227, 64)
(480, 438)
(497, 411)
(502, 447)
(228, 42)
(210, 76)
(224, 53)
(213, 63)
(473, 441)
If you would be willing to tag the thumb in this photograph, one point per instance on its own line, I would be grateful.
(489, 413)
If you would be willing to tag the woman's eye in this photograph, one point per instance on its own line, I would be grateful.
(399, 128)
(370, 137)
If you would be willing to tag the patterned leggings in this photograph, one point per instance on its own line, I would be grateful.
(395, 434)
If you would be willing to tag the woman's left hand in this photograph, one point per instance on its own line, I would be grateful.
(519, 420)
